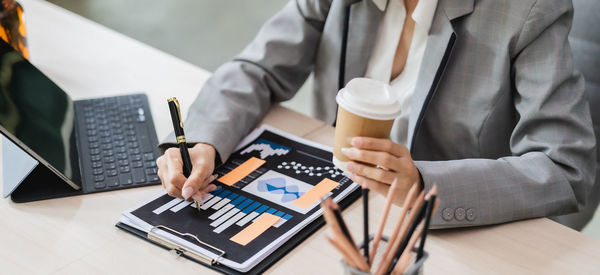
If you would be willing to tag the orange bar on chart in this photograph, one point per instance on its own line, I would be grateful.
(316, 193)
(241, 171)
(254, 230)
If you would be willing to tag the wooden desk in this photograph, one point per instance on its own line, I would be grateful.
(77, 235)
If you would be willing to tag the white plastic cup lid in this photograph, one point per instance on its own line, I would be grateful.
(369, 98)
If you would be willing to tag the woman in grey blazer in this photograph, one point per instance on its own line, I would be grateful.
(498, 119)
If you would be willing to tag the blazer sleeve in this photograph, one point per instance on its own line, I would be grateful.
(552, 166)
(270, 69)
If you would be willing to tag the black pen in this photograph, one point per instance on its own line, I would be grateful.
(180, 136)
(338, 216)
(428, 213)
(411, 230)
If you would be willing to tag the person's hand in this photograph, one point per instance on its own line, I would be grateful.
(376, 162)
(170, 172)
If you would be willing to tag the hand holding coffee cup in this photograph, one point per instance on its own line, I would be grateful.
(366, 112)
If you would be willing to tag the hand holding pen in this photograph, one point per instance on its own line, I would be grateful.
(173, 169)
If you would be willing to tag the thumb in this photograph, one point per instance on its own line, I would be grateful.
(195, 182)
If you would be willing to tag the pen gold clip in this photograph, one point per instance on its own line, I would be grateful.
(174, 100)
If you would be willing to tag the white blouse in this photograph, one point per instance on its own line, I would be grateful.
(384, 51)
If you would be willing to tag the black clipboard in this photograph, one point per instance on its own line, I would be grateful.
(269, 260)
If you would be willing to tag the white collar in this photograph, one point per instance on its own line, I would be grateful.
(380, 4)
(423, 14)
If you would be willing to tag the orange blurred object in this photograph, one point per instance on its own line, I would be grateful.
(13, 27)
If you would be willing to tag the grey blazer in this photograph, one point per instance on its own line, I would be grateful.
(499, 121)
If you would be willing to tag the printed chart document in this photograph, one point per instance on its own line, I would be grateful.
(268, 190)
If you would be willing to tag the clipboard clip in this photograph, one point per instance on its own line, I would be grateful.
(179, 249)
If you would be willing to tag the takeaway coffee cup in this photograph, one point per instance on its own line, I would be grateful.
(366, 108)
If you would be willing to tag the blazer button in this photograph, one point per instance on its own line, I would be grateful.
(471, 214)
(459, 214)
(447, 214)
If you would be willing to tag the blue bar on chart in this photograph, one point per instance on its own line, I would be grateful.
(237, 211)
(218, 196)
(224, 201)
(226, 205)
(284, 219)
(252, 215)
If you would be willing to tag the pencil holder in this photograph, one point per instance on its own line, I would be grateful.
(413, 269)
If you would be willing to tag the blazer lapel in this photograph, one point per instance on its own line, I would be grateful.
(363, 20)
(439, 48)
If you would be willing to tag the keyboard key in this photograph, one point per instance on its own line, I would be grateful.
(110, 166)
(135, 151)
(108, 153)
(96, 158)
(106, 146)
(153, 179)
(98, 171)
(123, 162)
(145, 142)
(124, 169)
(99, 178)
(111, 173)
(133, 145)
(137, 164)
(93, 145)
(131, 134)
(136, 157)
(121, 156)
(100, 185)
(96, 164)
(120, 143)
(151, 171)
(112, 182)
(106, 140)
(148, 156)
(109, 159)
(95, 151)
(92, 138)
(121, 149)
(138, 176)
(91, 133)
(105, 134)
(125, 179)
(150, 164)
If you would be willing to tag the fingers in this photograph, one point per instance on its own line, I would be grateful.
(381, 145)
(201, 193)
(170, 172)
(207, 187)
(370, 184)
(370, 172)
(402, 188)
(375, 158)
(199, 179)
